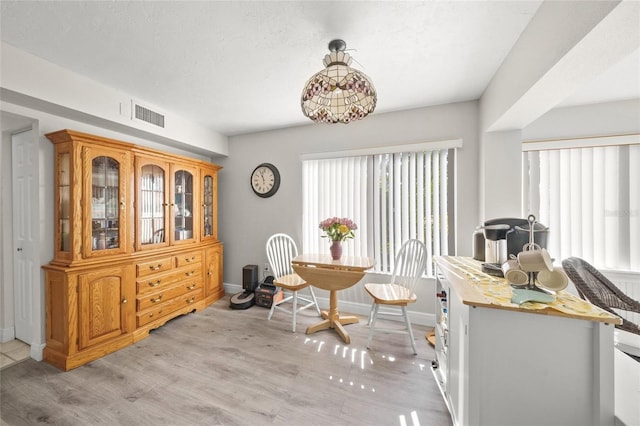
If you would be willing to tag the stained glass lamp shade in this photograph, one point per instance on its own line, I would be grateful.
(338, 93)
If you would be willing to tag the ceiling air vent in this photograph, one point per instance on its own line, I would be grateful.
(147, 115)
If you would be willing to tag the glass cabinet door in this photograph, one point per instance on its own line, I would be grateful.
(152, 203)
(183, 211)
(208, 219)
(105, 203)
(64, 202)
(207, 206)
(107, 172)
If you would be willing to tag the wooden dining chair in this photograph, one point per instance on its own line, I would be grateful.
(281, 249)
(410, 264)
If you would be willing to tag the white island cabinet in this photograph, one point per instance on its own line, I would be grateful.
(498, 363)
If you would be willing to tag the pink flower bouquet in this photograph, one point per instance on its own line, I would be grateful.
(338, 229)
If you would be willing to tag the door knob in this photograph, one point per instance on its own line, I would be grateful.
(19, 249)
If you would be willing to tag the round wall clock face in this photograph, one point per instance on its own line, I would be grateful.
(265, 180)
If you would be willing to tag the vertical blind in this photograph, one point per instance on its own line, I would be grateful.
(392, 197)
(590, 199)
(335, 187)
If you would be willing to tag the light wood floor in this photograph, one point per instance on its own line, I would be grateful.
(228, 367)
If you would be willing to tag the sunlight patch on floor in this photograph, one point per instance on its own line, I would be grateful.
(354, 355)
(414, 419)
(351, 383)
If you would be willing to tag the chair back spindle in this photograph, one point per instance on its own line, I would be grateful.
(281, 249)
(410, 264)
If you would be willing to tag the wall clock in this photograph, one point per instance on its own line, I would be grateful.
(265, 180)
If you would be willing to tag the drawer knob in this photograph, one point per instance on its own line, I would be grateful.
(191, 259)
(155, 267)
(188, 274)
(156, 299)
(154, 284)
(191, 300)
(124, 301)
(191, 287)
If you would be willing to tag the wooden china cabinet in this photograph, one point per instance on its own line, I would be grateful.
(136, 244)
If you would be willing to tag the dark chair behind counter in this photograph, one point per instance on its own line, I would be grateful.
(597, 289)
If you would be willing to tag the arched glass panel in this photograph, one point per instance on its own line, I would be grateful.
(105, 206)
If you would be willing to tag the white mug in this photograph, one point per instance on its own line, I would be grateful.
(535, 260)
(513, 274)
(555, 280)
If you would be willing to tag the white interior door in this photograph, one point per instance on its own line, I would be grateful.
(25, 185)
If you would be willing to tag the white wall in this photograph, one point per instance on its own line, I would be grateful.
(247, 220)
(611, 118)
(501, 175)
(33, 82)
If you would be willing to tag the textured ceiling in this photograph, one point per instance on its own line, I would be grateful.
(239, 67)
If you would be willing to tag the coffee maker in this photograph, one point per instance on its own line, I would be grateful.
(497, 239)
(495, 249)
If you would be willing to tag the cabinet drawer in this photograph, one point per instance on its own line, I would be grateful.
(190, 258)
(154, 283)
(151, 299)
(152, 314)
(153, 266)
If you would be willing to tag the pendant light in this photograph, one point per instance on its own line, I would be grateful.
(338, 93)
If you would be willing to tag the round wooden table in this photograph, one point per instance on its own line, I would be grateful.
(323, 272)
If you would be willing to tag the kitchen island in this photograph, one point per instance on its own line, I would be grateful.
(500, 363)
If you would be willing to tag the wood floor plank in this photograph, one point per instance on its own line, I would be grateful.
(233, 367)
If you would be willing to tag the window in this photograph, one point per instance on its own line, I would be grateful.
(392, 197)
(587, 192)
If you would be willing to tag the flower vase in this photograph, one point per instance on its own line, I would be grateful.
(336, 250)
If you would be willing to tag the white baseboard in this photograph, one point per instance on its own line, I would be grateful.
(419, 318)
(37, 350)
(7, 334)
